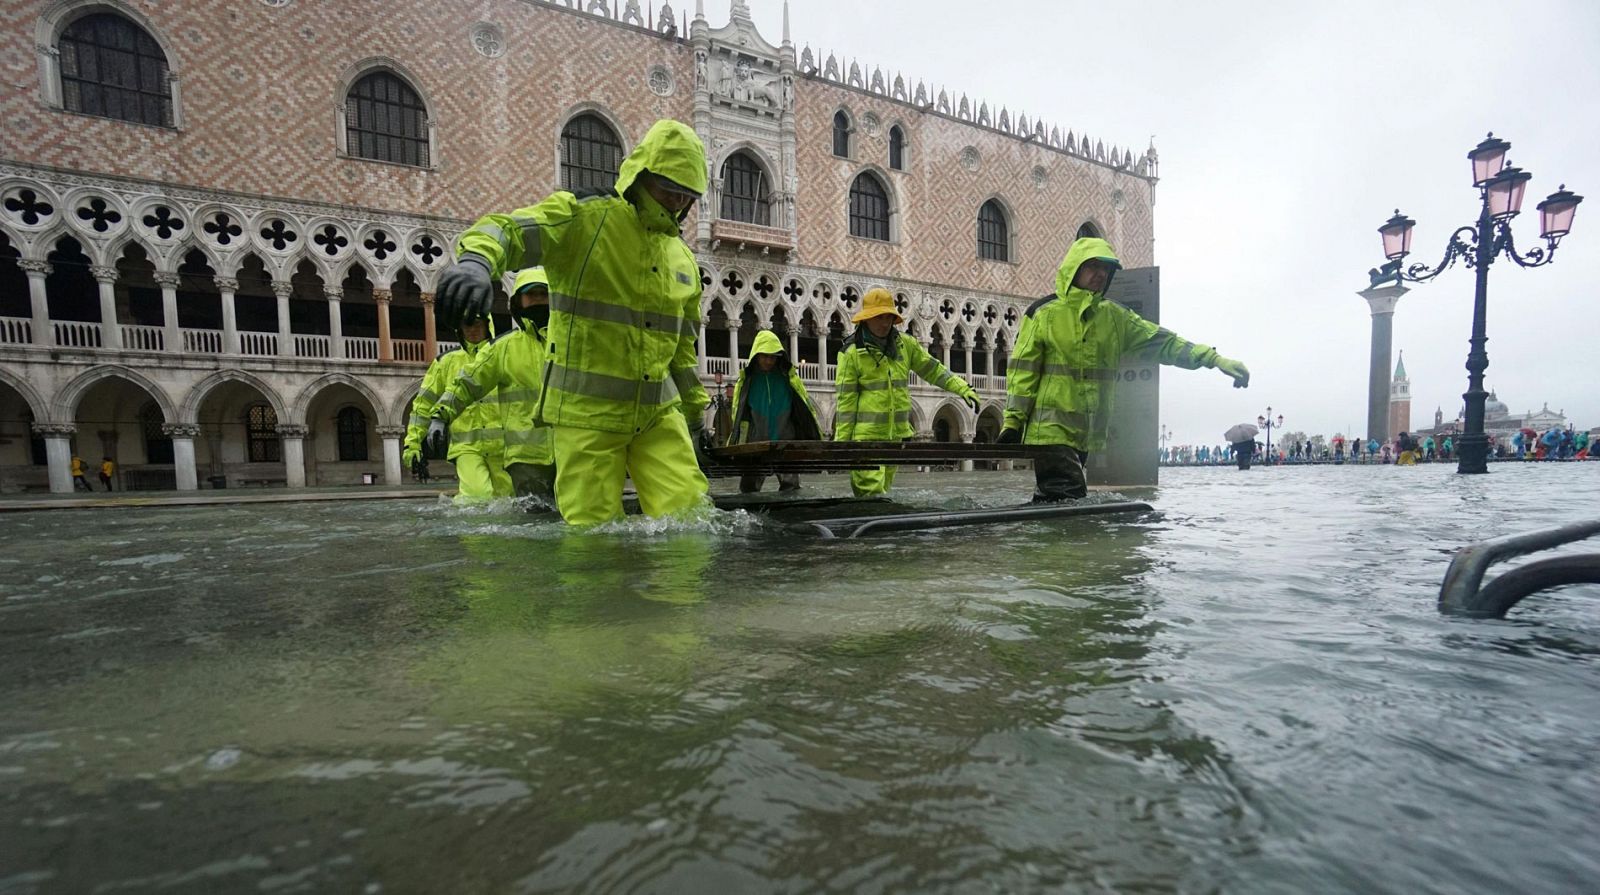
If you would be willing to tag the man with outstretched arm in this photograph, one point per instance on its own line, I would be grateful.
(1059, 377)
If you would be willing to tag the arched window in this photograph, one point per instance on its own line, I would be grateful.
(746, 195)
(897, 148)
(869, 208)
(841, 134)
(591, 154)
(385, 120)
(994, 238)
(157, 444)
(112, 68)
(352, 426)
(1088, 230)
(261, 434)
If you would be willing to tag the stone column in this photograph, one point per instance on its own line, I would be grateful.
(967, 363)
(43, 333)
(733, 351)
(822, 354)
(700, 348)
(385, 341)
(285, 334)
(172, 340)
(227, 286)
(294, 453)
(110, 327)
(183, 436)
(430, 330)
(988, 365)
(391, 436)
(969, 438)
(335, 321)
(58, 453)
(1382, 301)
(794, 346)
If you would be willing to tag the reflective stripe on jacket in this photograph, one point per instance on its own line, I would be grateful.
(511, 367)
(477, 430)
(1060, 376)
(874, 395)
(807, 429)
(624, 292)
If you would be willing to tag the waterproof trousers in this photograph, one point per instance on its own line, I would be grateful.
(533, 480)
(480, 478)
(871, 482)
(1058, 474)
(591, 466)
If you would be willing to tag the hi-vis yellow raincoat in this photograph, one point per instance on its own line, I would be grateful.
(510, 368)
(478, 430)
(624, 292)
(1060, 377)
(874, 390)
(803, 417)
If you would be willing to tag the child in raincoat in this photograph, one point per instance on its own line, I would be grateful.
(770, 404)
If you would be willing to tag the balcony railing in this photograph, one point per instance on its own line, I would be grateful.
(313, 346)
(76, 334)
(254, 344)
(447, 347)
(411, 351)
(202, 341)
(360, 348)
(142, 338)
(742, 235)
(16, 331)
(809, 371)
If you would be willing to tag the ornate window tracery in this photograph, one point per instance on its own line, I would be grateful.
(386, 121)
(112, 68)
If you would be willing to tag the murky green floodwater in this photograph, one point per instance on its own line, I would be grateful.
(1253, 692)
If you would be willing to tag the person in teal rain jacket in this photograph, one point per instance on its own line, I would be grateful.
(770, 404)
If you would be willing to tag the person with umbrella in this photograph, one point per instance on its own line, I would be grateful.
(1243, 439)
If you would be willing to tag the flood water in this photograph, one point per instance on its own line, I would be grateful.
(1250, 691)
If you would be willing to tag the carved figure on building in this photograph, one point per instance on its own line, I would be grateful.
(700, 69)
(788, 91)
(744, 84)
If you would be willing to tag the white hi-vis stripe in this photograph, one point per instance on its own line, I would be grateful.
(590, 309)
(610, 388)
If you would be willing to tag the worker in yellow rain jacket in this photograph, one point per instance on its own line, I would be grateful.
(1060, 375)
(512, 368)
(873, 383)
(770, 404)
(621, 390)
(475, 443)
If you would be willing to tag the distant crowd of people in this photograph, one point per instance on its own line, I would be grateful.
(1404, 449)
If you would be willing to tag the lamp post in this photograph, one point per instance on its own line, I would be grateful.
(1267, 422)
(1500, 187)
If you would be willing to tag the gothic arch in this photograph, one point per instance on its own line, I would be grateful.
(397, 410)
(588, 107)
(189, 412)
(354, 73)
(302, 402)
(61, 14)
(1013, 230)
(892, 195)
(959, 412)
(65, 406)
(1090, 228)
(30, 396)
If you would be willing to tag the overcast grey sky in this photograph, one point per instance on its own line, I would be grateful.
(1288, 132)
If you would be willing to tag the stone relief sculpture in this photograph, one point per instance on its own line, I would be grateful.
(700, 69)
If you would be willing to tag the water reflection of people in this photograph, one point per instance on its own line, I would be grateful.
(771, 404)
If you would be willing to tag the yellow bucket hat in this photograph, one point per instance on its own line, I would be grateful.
(876, 303)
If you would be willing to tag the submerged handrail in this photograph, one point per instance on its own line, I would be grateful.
(861, 525)
(1464, 593)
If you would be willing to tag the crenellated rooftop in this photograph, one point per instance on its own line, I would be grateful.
(892, 86)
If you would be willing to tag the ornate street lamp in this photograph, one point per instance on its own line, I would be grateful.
(1500, 188)
(1267, 422)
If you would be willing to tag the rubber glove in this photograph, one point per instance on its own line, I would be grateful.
(1235, 371)
(465, 291)
(702, 445)
(436, 444)
(972, 401)
(1009, 436)
(410, 457)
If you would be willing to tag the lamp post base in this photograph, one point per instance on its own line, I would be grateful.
(1472, 451)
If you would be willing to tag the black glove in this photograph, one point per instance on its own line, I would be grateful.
(971, 402)
(702, 446)
(465, 291)
(436, 444)
(1009, 436)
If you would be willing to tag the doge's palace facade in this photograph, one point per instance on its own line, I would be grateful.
(221, 221)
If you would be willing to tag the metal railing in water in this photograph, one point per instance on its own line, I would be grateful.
(1464, 592)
